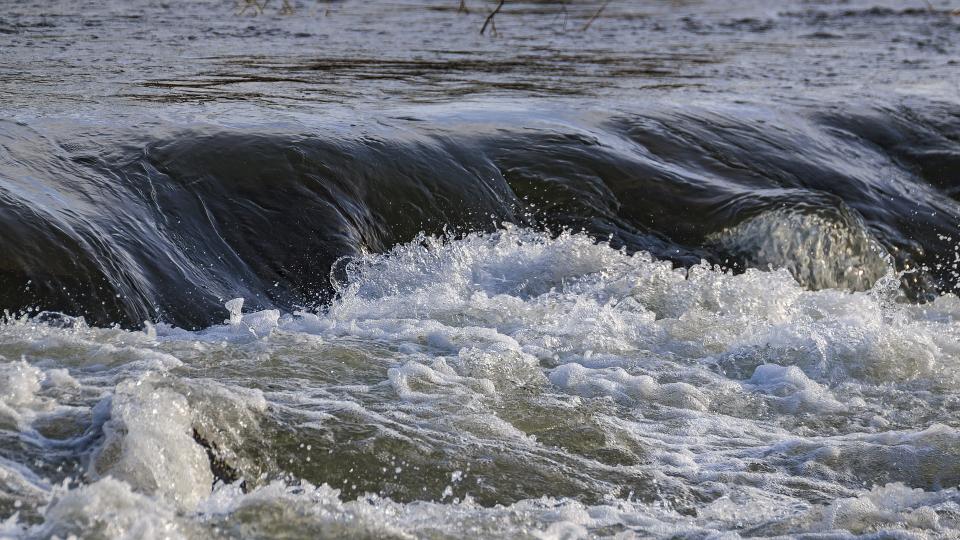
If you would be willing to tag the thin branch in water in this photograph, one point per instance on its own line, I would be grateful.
(247, 4)
(260, 6)
(595, 15)
(490, 19)
(463, 7)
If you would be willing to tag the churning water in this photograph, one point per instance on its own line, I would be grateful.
(684, 271)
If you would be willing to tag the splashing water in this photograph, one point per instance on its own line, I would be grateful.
(510, 383)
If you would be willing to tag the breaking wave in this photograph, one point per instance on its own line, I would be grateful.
(169, 222)
(506, 383)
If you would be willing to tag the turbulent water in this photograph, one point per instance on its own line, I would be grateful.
(622, 269)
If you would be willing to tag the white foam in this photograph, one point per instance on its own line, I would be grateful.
(792, 390)
(235, 307)
(108, 508)
(19, 384)
(890, 507)
(149, 444)
(314, 509)
(238, 327)
(618, 384)
(724, 402)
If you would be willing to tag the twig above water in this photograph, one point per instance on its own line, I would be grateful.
(490, 19)
(259, 6)
(247, 4)
(595, 15)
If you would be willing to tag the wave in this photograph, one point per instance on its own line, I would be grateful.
(167, 221)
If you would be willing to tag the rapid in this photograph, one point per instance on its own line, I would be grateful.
(625, 269)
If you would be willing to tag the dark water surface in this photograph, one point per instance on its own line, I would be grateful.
(669, 269)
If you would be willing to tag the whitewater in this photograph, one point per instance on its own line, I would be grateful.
(352, 269)
(510, 383)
